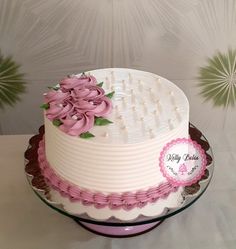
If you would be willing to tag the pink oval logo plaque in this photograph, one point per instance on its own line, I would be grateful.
(182, 161)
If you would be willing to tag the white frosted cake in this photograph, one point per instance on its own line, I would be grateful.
(104, 131)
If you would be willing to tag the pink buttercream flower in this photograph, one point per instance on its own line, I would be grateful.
(76, 104)
(103, 107)
(88, 92)
(82, 106)
(59, 111)
(73, 82)
(98, 107)
(56, 96)
(79, 123)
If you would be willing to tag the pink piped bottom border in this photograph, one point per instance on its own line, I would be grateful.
(115, 201)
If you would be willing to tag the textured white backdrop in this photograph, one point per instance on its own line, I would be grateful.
(172, 38)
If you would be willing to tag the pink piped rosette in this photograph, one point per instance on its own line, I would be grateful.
(76, 104)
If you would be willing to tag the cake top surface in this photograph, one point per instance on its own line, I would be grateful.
(139, 105)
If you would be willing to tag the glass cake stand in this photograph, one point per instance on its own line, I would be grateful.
(114, 227)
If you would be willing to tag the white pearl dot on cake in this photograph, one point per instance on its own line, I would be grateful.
(140, 87)
(112, 77)
(178, 117)
(172, 100)
(74, 117)
(159, 106)
(158, 81)
(117, 113)
(152, 97)
(157, 121)
(133, 99)
(121, 119)
(45, 94)
(61, 105)
(130, 78)
(107, 82)
(105, 134)
(176, 109)
(143, 126)
(171, 127)
(151, 133)
(135, 116)
(124, 133)
(123, 85)
(158, 85)
(123, 101)
(145, 109)
(123, 127)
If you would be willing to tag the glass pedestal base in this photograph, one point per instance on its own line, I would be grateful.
(119, 231)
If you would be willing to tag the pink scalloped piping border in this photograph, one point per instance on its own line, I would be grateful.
(115, 201)
(197, 146)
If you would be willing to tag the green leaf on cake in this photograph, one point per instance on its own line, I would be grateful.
(45, 106)
(54, 88)
(110, 95)
(57, 122)
(86, 135)
(102, 121)
(100, 84)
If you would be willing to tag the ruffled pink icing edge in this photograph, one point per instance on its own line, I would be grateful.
(115, 201)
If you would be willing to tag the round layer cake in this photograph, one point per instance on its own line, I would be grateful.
(104, 132)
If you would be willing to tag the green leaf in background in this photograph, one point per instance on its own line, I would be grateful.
(45, 106)
(100, 84)
(218, 79)
(102, 121)
(57, 122)
(12, 83)
(110, 95)
(86, 135)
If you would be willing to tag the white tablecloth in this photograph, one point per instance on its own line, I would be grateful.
(27, 223)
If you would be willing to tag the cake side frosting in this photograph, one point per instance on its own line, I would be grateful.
(125, 200)
(104, 167)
